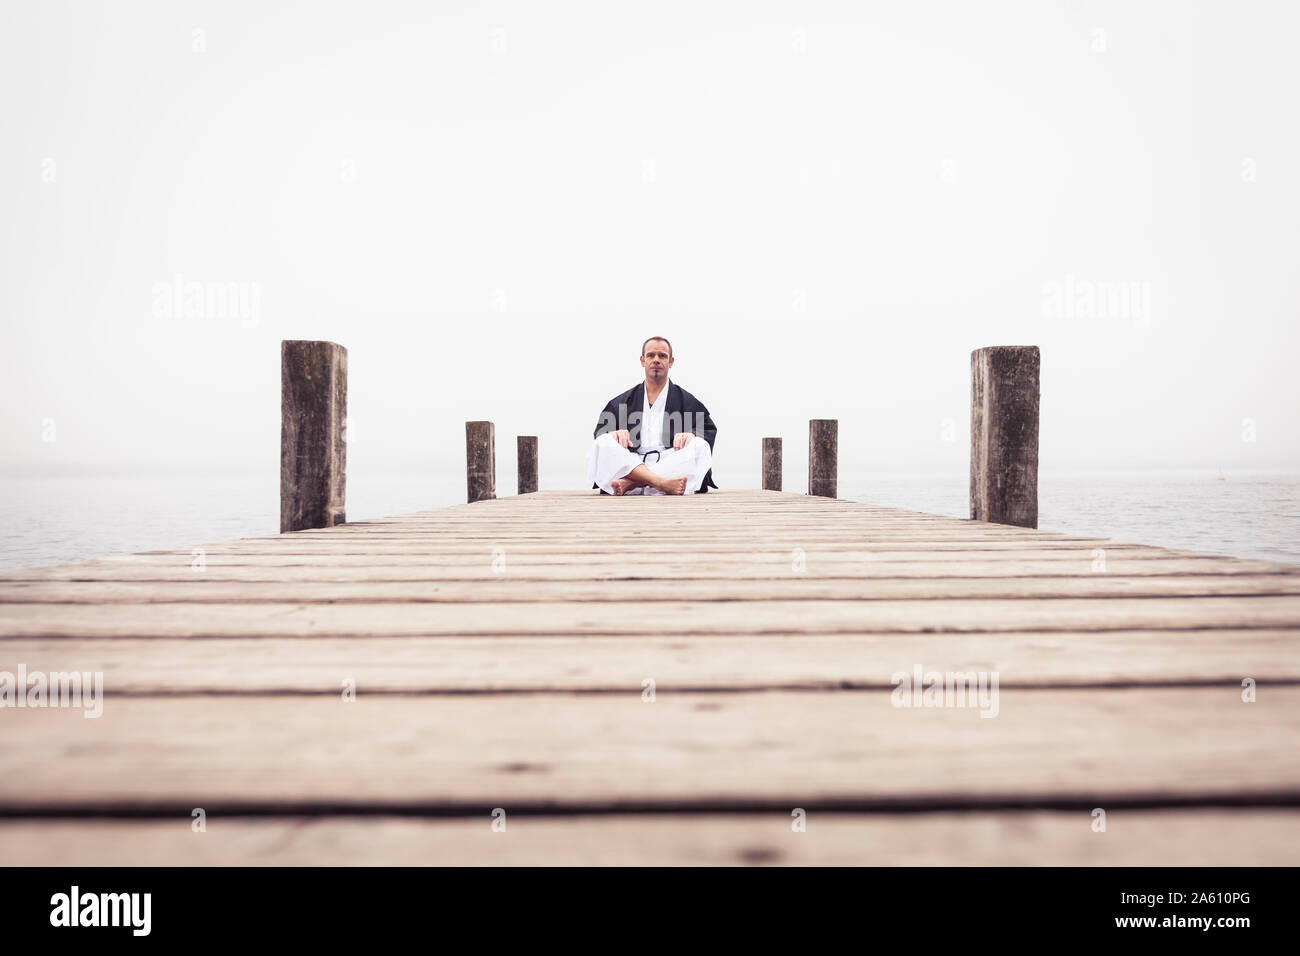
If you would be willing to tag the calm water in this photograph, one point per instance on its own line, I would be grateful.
(1247, 515)
(54, 520)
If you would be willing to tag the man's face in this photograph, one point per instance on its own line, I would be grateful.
(656, 361)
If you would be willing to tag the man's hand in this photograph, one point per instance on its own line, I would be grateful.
(624, 438)
(681, 440)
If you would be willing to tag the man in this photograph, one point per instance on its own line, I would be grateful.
(654, 439)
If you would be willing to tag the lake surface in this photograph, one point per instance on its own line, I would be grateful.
(1247, 515)
(55, 520)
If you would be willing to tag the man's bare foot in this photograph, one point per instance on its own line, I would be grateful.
(621, 485)
(672, 486)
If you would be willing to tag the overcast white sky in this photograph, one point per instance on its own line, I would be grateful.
(825, 206)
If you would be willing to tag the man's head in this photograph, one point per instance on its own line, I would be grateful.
(656, 359)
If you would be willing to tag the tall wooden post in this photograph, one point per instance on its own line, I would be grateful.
(481, 460)
(1004, 435)
(823, 457)
(771, 464)
(313, 453)
(526, 447)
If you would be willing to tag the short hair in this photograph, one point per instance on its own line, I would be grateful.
(659, 338)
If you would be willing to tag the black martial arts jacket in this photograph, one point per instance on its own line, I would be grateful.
(683, 413)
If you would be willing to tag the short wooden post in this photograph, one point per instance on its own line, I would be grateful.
(481, 460)
(313, 453)
(823, 456)
(1004, 435)
(771, 464)
(526, 446)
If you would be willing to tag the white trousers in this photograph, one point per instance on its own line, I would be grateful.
(608, 460)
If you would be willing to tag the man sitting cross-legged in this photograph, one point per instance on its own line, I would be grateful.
(648, 440)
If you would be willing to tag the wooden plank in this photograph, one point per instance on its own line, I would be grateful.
(632, 522)
(757, 550)
(505, 588)
(676, 663)
(726, 521)
(680, 617)
(1132, 838)
(675, 538)
(735, 751)
(543, 568)
(734, 557)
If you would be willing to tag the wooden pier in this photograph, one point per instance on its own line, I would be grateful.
(565, 677)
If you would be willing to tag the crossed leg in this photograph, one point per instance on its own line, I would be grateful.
(640, 476)
(618, 470)
(623, 485)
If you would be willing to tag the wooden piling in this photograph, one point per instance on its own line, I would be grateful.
(1004, 435)
(481, 460)
(526, 448)
(823, 457)
(313, 454)
(771, 464)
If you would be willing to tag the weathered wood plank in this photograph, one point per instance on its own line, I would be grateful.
(506, 588)
(682, 617)
(1042, 838)
(545, 568)
(675, 662)
(812, 750)
(696, 535)
(757, 549)
(685, 530)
